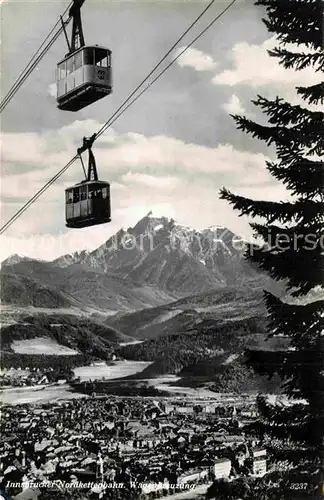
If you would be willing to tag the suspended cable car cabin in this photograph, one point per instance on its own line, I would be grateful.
(88, 203)
(84, 75)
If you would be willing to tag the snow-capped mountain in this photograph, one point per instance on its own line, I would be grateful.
(152, 263)
(14, 259)
(181, 290)
(72, 258)
(160, 252)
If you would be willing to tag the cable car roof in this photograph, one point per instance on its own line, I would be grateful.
(87, 183)
(99, 47)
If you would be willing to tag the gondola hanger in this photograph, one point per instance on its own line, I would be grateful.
(92, 174)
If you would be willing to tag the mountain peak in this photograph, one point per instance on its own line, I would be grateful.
(15, 259)
(77, 257)
(215, 227)
(158, 254)
(161, 219)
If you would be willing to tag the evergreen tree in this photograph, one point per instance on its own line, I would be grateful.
(292, 251)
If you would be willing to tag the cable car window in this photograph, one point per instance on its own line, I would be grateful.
(70, 65)
(103, 63)
(69, 196)
(76, 195)
(109, 60)
(84, 194)
(62, 71)
(101, 58)
(78, 60)
(88, 57)
(105, 193)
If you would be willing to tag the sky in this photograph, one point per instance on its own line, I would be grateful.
(172, 151)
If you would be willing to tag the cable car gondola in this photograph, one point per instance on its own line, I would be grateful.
(84, 75)
(88, 202)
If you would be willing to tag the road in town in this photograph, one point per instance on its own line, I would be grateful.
(192, 494)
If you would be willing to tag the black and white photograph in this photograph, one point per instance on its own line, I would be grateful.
(162, 250)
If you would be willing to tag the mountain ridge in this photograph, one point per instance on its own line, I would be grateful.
(159, 252)
(188, 296)
(153, 263)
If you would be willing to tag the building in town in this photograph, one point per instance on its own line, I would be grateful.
(222, 468)
(259, 464)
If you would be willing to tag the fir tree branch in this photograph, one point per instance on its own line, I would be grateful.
(299, 322)
(302, 270)
(282, 113)
(303, 177)
(295, 21)
(296, 237)
(306, 211)
(292, 140)
(297, 60)
(301, 373)
(313, 94)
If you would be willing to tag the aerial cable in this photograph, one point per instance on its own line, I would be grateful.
(19, 83)
(156, 66)
(110, 121)
(32, 63)
(37, 195)
(113, 118)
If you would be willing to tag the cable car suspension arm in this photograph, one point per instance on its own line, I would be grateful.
(77, 38)
(65, 33)
(84, 170)
(92, 168)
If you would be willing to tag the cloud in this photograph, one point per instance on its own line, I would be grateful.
(166, 154)
(128, 207)
(52, 90)
(234, 106)
(49, 246)
(22, 148)
(253, 66)
(196, 59)
(157, 161)
(53, 149)
(162, 183)
(131, 198)
(160, 173)
(130, 202)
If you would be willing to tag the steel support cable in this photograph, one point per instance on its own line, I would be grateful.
(37, 195)
(157, 65)
(17, 87)
(110, 122)
(31, 65)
